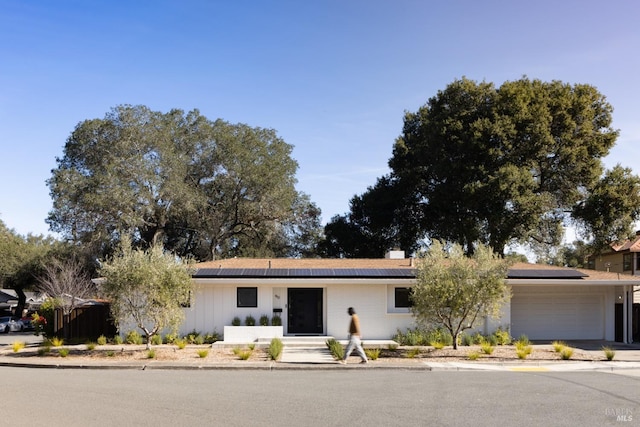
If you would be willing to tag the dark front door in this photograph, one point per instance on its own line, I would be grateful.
(619, 331)
(305, 311)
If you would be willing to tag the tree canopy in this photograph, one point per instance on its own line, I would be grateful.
(499, 166)
(148, 286)
(200, 187)
(453, 290)
(22, 259)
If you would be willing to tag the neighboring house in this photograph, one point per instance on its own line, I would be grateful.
(621, 258)
(312, 296)
(9, 301)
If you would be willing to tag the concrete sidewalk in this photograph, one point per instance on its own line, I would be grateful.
(303, 354)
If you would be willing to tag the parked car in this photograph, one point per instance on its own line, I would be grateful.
(27, 324)
(8, 324)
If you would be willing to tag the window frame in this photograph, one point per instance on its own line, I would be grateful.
(252, 299)
(399, 294)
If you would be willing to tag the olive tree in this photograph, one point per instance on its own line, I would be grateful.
(149, 287)
(454, 290)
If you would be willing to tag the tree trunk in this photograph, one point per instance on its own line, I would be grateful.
(22, 301)
(455, 340)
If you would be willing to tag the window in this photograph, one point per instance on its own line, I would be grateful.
(247, 297)
(403, 298)
(626, 262)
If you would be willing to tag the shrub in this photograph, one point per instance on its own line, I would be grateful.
(170, 338)
(63, 352)
(252, 347)
(56, 342)
(609, 353)
(558, 346)
(478, 338)
(203, 353)
(487, 348)
(43, 350)
(523, 352)
(180, 343)
(436, 335)
(520, 345)
(524, 340)
(156, 339)
(264, 320)
(566, 353)
(17, 346)
(250, 321)
(91, 346)
(473, 355)
(465, 339)
(151, 354)
(392, 347)
(118, 340)
(210, 338)
(502, 337)
(372, 353)
(192, 337)
(438, 345)
(274, 351)
(413, 352)
(235, 321)
(492, 340)
(276, 320)
(102, 340)
(133, 337)
(413, 337)
(242, 354)
(110, 353)
(335, 348)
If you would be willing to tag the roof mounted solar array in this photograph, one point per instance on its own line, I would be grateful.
(320, 273)
(545, 274)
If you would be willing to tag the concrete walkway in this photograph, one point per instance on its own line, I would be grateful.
(313, 355)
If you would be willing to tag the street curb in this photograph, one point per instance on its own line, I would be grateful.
(301, 366)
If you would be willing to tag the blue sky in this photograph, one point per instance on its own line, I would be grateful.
(333, 78)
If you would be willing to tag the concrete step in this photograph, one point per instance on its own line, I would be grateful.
(306, 355)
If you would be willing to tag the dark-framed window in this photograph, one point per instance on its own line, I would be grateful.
(247, 297)
(403, 298)
(626, 262)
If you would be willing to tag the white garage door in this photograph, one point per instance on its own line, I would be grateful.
(557, 316)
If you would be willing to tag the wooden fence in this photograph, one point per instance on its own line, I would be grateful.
(88, 322)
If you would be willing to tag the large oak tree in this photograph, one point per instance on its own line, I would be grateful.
(200, 187)
(505, 165)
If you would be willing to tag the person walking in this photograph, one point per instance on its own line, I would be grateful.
(354, 338)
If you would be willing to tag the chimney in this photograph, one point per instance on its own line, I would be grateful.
(394, 254)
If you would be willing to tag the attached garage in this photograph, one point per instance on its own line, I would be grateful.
(563, 313)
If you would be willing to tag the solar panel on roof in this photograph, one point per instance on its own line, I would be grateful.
(303, 272)
(545, 274)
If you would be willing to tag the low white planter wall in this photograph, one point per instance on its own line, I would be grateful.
(244, 334)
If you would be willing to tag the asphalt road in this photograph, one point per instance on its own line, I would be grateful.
(318, 398)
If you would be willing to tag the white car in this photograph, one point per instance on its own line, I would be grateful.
(8, 324)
